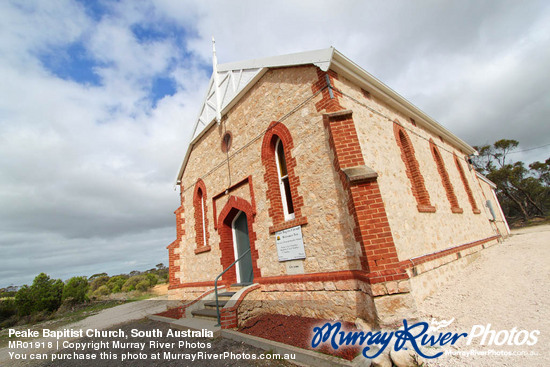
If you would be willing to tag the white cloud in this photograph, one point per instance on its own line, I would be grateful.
(87, 168)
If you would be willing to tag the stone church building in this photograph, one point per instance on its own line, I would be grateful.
(352, 201)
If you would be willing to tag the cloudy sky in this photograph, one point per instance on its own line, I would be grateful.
(98, 99)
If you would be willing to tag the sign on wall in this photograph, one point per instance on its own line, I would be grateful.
(290, 245)
(295, 267)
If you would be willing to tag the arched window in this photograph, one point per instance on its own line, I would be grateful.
(285, 202)
(413, 170)
(473, 203)
(201, 219)
(203, 216)
(284, 183)
(449, 190)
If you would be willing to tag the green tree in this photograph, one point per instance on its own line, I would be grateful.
(522, 191)
(92, 277)
(43, 295)
(47, 292)
(24, 301)
(76, 290)
(542, 170)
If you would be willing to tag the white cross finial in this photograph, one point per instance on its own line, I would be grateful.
(216, 83)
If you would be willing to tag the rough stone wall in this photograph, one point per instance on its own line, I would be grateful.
(339, 300)
(279, 95)
(415, 233)
(433, 275)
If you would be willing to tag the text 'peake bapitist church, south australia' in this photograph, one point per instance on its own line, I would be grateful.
(340, 198)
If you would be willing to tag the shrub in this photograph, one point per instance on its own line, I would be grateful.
(130, 284)
(153, 279)
(101, 291)
(7, 309)
(115, 283)
(143, 285)
(9, 322)
(98, 282)
(75, 290)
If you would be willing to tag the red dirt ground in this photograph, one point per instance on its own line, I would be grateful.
(296, 331)
(174, 313)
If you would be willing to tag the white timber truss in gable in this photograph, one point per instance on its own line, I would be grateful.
(230, 84)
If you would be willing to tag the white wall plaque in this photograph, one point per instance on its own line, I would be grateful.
(290, 245)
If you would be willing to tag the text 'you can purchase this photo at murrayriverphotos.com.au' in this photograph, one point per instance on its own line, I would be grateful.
(73, 347)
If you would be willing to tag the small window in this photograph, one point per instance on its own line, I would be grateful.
(226, 142)
(284, 183)
(200, 201)
(203, 217)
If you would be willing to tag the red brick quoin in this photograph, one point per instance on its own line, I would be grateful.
(227, 214)
(327, 103)
(365, 204)
(449, 189)
(172, 256)
(413, 170)
(275, 211)
(228, 316)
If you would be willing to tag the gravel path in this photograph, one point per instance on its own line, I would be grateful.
(507, 287)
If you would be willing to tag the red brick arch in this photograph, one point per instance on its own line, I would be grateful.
(413, 170)
(275, 211)
(467, 188)
(233, 206)
(445, 180)
(202, 245)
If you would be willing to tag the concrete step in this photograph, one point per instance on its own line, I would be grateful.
(212, 304)
(225, 295)
(208, 314)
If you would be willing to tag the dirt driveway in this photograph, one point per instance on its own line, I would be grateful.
(507, 287)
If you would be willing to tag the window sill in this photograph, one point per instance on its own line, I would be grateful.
(300, 221)
(202, 249)
(477, 211)
(426, 208)
(457, 210)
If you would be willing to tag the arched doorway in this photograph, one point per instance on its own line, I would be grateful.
(241, 244)
(236, 228)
